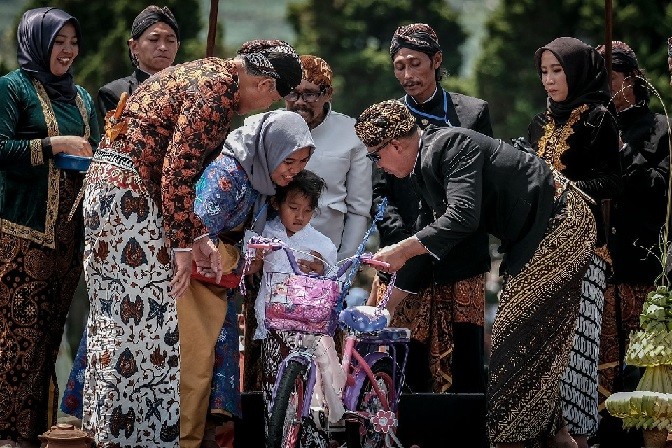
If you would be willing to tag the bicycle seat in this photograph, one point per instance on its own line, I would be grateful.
(365, 318)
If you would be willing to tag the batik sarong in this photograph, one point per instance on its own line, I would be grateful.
(534, 328)
(622, 306)
(579, 382)
(37, 284)
(435, 316)
(131, 390)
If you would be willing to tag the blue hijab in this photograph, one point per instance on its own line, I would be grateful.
(35, 36)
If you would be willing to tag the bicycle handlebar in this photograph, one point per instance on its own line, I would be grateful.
(260, 242)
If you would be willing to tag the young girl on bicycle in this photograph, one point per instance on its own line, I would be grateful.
(295, 205)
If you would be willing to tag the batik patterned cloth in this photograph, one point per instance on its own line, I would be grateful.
(430, 316)
(131, 389)
(225, 393)
(36, 288)
(622, 306)
(534, 329)
(579, 382)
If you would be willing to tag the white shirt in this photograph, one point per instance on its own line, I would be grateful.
(344, 209)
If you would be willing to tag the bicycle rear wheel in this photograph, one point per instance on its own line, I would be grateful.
(368, 403)
(284, 424)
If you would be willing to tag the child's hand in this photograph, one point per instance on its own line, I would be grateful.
(316, 265)
(255, 266)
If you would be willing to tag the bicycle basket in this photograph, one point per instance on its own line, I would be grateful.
(301, 303)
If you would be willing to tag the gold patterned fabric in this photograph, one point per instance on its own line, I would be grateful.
(430, 316)
(36, 288)
(316, 70)
(384, 121)
(534, 329)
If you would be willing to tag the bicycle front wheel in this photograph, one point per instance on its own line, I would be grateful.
(284, 424)
(368, 404)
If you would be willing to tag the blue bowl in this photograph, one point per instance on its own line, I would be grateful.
(72, 162)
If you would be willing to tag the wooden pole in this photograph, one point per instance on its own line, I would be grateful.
(607, 37)
(212, 28)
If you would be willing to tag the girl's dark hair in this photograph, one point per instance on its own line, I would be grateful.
(305, 182)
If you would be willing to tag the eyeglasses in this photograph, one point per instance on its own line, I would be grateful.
(308, 96)
(373, 155)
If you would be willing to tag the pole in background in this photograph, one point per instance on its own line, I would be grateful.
(212, 28)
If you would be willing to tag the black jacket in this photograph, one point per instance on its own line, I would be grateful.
(109, 94)
(590, 157)
(472, 257)
(470, 182)
(639, 213)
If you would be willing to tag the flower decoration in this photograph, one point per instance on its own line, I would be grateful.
(384, 421)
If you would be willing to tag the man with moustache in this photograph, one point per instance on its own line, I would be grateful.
(446, 316)
(339, 158)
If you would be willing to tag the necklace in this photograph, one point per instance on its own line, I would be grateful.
(431, 116)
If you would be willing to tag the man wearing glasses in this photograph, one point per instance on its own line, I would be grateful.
(339, 158)
(470, 182)
(445, 311)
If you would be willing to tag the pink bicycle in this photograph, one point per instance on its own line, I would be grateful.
(373, 359)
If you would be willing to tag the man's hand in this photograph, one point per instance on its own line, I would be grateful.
(398, 254)
(182, 275)
(207, 258)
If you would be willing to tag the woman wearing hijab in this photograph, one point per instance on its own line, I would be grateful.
(142, 233)
(153, 45)
(42, 113)
(266, 152)
(578, 136)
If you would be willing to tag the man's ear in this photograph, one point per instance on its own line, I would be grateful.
(437, 59)
(266, 85)
(328, 91)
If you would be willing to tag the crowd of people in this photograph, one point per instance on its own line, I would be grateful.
(577, 206)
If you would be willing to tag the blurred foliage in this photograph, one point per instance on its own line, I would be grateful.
(354, 36)
(106, 26)
(505, 72)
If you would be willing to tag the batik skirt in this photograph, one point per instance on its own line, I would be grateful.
(623, 304)
(36, 288)
(534, 328)
(131, 389)
(446, 323)
(579, 382)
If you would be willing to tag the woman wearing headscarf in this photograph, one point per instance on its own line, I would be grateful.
(42, 113)
(142, 233)
(153, 45)
(266, 152)
(577, 135)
